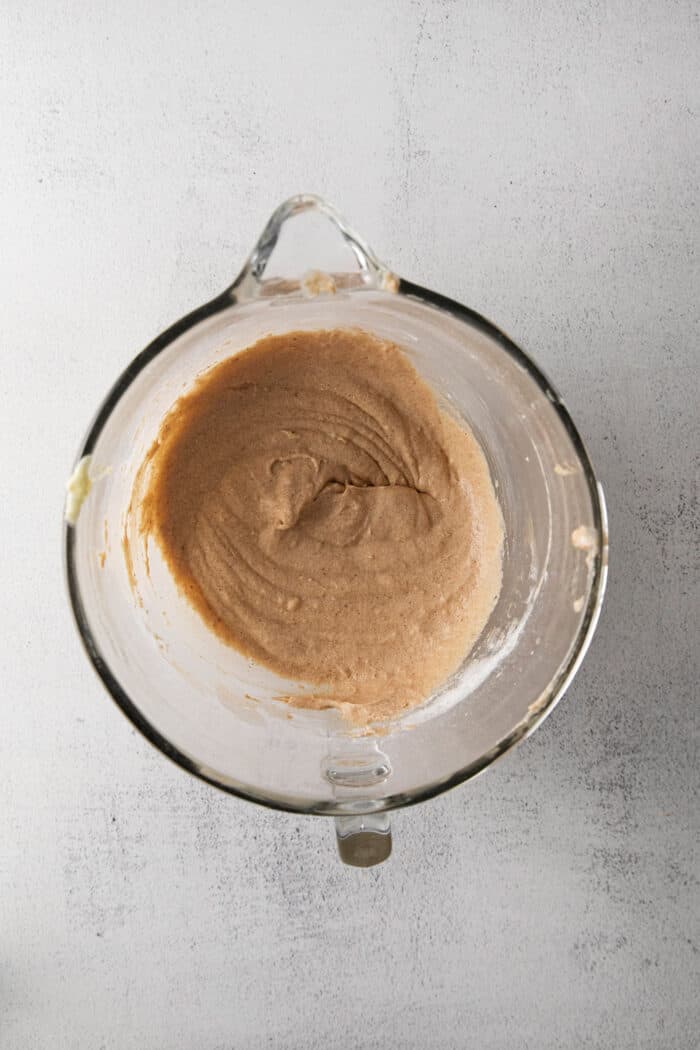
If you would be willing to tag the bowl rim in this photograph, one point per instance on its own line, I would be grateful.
(537, 712)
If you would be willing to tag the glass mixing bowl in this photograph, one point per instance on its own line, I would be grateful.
(214, 711)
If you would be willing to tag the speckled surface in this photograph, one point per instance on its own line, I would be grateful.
(537, 161)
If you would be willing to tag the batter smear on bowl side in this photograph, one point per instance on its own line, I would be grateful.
(325, 517)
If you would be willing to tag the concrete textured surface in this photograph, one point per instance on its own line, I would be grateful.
(538, 161)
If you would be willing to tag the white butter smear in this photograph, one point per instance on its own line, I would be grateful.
(585, 538)
(565, 470)
(78, 487)
(315, 282)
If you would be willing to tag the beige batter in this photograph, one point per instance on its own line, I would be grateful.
(326, 518)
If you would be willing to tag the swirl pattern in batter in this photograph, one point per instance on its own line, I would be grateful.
(326, 518)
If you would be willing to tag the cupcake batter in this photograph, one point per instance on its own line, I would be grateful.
(325, 517)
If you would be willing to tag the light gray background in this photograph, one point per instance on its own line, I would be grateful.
(538, 161)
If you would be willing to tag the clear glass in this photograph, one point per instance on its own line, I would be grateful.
(214, 711)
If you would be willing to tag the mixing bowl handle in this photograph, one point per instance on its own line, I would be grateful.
(312, 258)
(363, 840)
